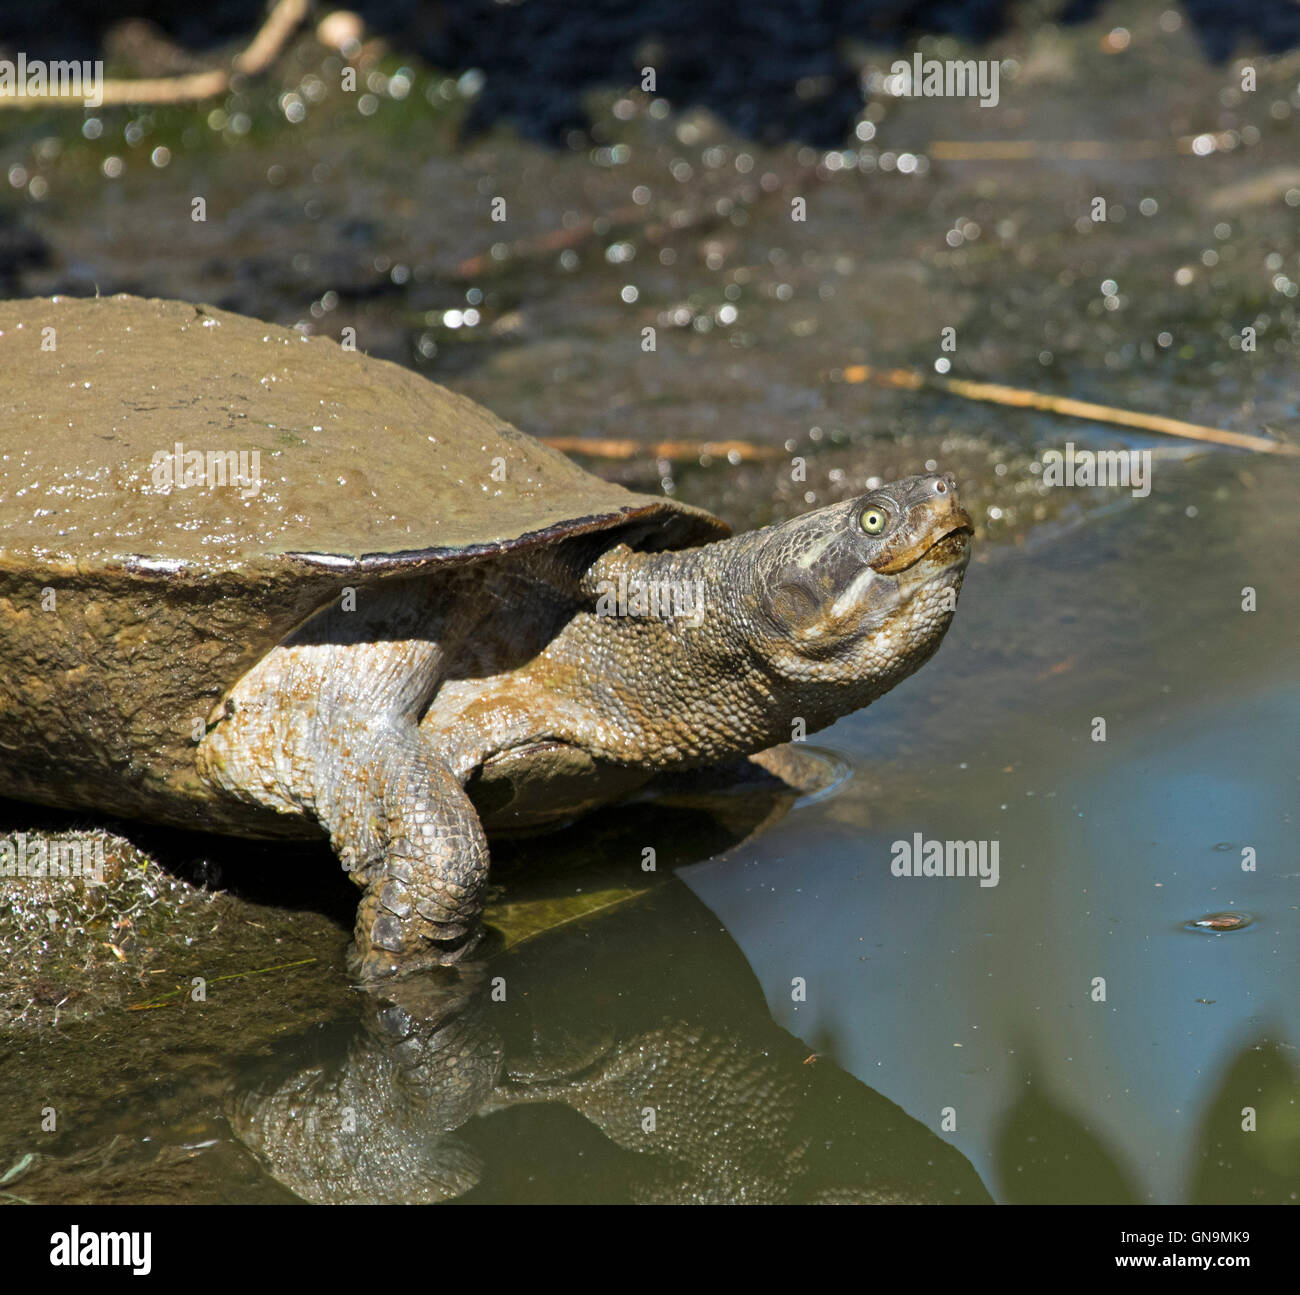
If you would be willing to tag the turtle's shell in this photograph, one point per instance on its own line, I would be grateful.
(131, 601)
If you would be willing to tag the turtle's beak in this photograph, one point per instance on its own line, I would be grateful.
(937, 526)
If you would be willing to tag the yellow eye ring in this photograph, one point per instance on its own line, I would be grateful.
(873, 521)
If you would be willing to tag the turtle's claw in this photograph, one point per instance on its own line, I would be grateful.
(376, 963)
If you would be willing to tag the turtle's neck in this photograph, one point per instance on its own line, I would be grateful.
(664, 657)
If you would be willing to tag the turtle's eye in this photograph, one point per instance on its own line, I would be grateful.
(874, 520)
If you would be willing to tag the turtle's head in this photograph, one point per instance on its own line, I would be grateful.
(804, 621)
(850, 599)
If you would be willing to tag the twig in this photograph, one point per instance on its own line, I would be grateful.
(601, 226)
(164, 999)
(556, 240)
(1022, 150)
(261, 52)
(559, 240)
(615, 448)
(1027, 150)
(1020, 398)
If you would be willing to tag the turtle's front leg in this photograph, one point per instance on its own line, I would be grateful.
(401, 823)
(324, 727)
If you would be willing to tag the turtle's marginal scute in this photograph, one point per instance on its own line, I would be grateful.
(671, 531)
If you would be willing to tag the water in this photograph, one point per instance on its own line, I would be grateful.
(803, 1023)
(945, 993)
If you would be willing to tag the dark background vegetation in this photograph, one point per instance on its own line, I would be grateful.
(773, 70)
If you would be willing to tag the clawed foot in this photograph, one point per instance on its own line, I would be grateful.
(423, 954)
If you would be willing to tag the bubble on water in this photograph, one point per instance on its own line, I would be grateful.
(1219, 923)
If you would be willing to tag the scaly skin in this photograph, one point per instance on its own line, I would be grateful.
(741, 1112)
(372, 721)
(380, 1125)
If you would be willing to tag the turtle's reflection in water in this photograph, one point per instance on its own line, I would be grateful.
(464, 1084)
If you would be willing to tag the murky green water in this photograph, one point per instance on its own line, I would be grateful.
(779, 1017)
(985, 999)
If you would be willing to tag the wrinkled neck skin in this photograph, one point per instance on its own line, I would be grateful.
(677, 690)
(681, 691)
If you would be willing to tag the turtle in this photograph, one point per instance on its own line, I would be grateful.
(255, 583)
